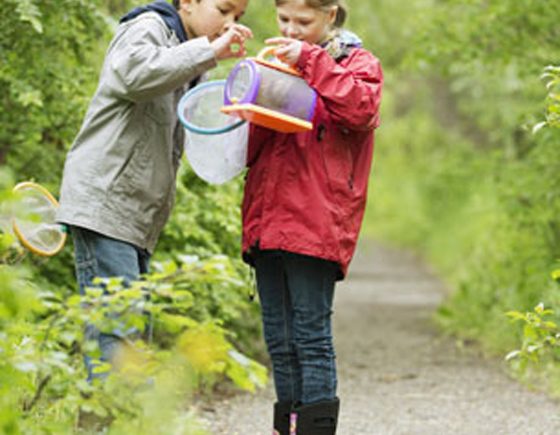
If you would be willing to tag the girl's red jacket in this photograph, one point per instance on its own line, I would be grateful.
(306, 192)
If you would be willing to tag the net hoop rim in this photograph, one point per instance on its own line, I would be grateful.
(19, 233)
(201, 130)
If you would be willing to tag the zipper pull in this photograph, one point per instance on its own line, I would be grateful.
(320, 132)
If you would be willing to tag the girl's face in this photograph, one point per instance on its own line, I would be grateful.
(210, 17)
(298, 21)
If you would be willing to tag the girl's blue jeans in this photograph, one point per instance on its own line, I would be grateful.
(296, 294)
(97, 255)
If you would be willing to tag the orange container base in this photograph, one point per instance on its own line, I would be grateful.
(268, 118)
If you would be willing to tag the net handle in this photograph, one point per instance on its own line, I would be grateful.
(270, 51)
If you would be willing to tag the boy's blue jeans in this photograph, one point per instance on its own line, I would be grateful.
(99, 256)
(296, 294)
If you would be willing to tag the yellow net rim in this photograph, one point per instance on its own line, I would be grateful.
(19, 233)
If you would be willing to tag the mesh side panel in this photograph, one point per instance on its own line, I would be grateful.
(217, 158)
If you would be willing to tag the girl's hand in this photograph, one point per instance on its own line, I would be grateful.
(231, 43)
(288, 51)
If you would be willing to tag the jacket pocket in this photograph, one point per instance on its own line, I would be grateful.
(338, 161)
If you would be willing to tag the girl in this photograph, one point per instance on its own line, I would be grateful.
(303, 205)
(118, 185)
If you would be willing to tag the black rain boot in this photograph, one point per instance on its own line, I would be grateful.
(282, 411)
(317, 418)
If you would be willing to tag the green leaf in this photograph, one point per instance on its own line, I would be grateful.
(539, 126)
(516, 315)
(513, 354)
(29, 12)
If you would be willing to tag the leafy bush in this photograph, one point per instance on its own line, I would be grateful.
(42, 348)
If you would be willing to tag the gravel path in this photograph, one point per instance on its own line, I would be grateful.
(396, 374)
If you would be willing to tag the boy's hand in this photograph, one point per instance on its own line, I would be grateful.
(288, 51)
(232, 42)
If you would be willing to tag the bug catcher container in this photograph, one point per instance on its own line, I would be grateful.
(270, 94)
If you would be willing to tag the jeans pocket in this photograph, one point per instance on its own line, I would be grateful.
(85, 272)
(83, 245)
(85, 261)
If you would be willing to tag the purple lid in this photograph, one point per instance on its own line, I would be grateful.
(242, 83)
(312, 107)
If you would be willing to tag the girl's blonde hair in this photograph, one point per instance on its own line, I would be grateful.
(325, 5)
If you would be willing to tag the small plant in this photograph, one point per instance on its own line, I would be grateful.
(552, 76)
(541, 336)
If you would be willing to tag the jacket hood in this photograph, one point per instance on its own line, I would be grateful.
(167, 12)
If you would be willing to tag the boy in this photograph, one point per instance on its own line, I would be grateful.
(118, 186)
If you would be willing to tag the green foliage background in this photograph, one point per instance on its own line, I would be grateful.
(461, 173)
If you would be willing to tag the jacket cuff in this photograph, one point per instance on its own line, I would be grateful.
(304, 55)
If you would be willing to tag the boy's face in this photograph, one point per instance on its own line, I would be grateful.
(210, 17)
(298, 21)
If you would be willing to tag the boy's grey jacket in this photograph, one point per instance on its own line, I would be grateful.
(119, 175)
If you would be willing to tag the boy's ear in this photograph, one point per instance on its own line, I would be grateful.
(186, 5)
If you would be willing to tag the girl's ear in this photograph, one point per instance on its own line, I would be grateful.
(333, 11)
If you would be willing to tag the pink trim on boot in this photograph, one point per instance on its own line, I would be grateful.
(293, 423)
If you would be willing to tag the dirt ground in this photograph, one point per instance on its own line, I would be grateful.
(397, 374)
